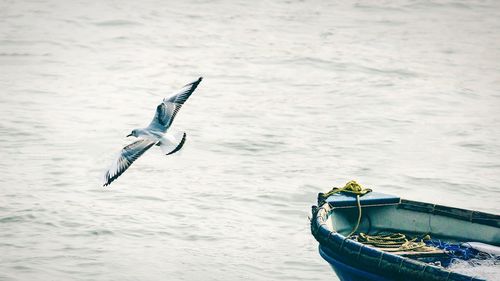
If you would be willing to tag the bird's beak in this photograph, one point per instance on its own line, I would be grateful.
(129, 135)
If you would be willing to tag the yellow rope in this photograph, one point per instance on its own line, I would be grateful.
(350, 187)
(359, 217)
(354, 188)
(395, 242)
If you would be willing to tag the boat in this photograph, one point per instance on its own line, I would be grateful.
(344, 215)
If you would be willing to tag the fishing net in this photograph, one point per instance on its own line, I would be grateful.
(464, 259)
(457, 257)
(463, 253)
(488, 269)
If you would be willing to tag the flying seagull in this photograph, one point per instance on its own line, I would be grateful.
(154, 134)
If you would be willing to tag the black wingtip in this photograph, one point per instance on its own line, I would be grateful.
(107, 183)
(195, 83)
(106, 180)
(109, 180)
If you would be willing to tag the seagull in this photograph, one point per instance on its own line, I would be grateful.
(154, 134)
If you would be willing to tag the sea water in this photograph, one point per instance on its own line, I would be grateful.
(298, 96)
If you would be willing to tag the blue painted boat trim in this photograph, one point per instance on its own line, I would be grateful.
(344, 199)
(347, 272)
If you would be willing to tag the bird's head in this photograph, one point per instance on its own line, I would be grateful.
(133, 133)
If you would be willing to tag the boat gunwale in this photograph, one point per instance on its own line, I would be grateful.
(387, 264)
(451, 212)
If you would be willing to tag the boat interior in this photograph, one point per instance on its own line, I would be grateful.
(395, 218)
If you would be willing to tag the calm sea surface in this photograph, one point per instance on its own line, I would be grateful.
(402, 96)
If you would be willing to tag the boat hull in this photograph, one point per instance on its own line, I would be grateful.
(354, 261)
(346, 272)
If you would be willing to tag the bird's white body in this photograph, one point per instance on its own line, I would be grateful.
(155, 134)
(150, 134)
(166, 141)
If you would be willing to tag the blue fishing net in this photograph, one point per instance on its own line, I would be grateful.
(460, 252)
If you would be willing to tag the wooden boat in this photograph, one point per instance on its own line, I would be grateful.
(335, 217)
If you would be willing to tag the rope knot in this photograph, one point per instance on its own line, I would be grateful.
(350, 187)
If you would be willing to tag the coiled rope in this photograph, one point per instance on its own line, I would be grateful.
(396, 242)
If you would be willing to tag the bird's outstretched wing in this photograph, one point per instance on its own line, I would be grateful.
(127, 156)
(166, 111)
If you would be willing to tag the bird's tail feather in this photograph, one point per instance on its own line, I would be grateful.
(171, 143)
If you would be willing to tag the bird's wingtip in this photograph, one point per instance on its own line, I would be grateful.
(105, 179)
(195, 82)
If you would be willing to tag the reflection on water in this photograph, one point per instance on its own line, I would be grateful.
(297, 96)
